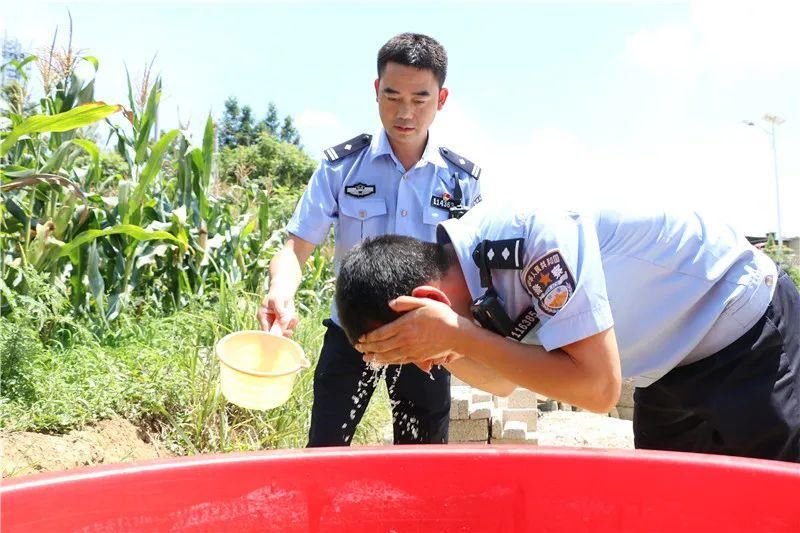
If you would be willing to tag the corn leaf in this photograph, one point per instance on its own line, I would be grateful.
(135, 232)
(96, 283)
(74, 118)
(93, 151)
(153, 166)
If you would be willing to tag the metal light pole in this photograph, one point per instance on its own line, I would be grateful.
(774, 120)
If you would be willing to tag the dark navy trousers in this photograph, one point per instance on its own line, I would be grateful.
(743, 400)
(420, 405)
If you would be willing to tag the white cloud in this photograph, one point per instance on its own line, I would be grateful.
(725, 173)
(729, 39)
(33, 24)
(320, 129)
(670, 50)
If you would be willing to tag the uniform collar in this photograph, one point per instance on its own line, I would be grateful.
(380, 146)
(464, 240)
(432, 154)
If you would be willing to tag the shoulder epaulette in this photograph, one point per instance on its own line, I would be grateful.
(353, 146)
(461, 162)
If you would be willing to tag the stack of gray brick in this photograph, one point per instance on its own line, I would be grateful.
(625, 403)
(469, 419)
(477, 416)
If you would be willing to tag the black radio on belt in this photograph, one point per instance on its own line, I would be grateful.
(458, 210)
(488, 309)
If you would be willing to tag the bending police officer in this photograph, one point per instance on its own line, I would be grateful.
(568, 304)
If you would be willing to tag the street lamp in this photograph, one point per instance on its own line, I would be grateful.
(773, 120)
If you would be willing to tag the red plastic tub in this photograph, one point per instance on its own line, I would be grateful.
(433, 488)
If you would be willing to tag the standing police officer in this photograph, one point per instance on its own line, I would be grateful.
(705, 325)
(396, 181)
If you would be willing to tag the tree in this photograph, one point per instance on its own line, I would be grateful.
(229, 128)
(271, 122)
(289, 133)
(247, 132)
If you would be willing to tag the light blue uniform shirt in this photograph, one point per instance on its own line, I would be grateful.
(401, 202)
(676, 287)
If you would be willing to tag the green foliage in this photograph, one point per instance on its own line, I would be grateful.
(246, 134)
(120, 270)
(269, 162)
(229, 124)
(238, 126)
(289, 133)
(271, 122)
(158, 371)
(157, 228)
(785, 257)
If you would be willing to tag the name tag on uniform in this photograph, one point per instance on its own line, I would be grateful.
(524, 325)
(444, 201)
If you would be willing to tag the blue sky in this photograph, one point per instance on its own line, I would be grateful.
(580, 104)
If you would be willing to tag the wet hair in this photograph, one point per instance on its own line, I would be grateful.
(380, 269)
(414, 50)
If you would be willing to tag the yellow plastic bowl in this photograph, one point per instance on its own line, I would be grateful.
(257, 369)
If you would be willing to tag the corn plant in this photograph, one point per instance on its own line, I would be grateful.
(160, 233)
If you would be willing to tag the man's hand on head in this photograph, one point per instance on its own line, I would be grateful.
(425, 332)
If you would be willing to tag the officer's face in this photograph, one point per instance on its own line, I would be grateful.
(408, 99)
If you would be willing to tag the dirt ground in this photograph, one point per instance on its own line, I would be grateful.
(117, 440)
(109, 441)
(583, 429)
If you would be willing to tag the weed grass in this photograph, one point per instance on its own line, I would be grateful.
(158, 372)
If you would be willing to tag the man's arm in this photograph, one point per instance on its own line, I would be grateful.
(479, 376)
(286, 273)
(585, 373)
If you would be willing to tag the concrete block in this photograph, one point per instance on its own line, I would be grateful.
(469, 430)
(459, 408)
(496, 431)
(514, 430)
(550, 405)
(625, 413)
(531, 438)
(480, 410)
(462, 391)
(564, 406)
(626, 395)
(522, 398)
(528, 415)
(500, 401)
(478, 396)
(614, 413)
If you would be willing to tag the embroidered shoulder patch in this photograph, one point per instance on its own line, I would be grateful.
(524, 324)
(549, 280)
(359, 190)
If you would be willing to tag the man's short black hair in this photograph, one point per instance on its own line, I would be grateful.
(414, 50)
(380, 269)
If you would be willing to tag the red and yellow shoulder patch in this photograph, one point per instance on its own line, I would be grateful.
(549, 280)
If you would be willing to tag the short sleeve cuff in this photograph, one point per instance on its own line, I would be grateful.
(557, 333)
(314, 234)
